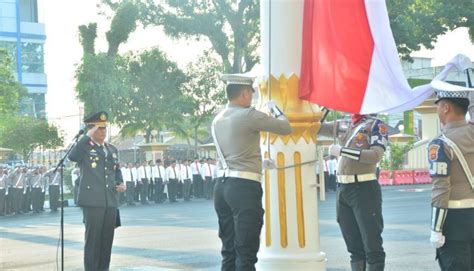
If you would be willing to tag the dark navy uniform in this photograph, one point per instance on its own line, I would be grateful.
(453, 192)
(97, 196)
(359, 198)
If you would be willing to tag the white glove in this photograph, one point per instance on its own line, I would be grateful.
(437, 239)
(92, 130)
(273, 108)
(270, 105)
(335, 150)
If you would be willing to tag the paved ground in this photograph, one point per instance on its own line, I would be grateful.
(183, 236)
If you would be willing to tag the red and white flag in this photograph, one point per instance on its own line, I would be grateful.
(349, 59)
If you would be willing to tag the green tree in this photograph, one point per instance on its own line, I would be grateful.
(98, 76)
(232, 27)
(415, 22)
(155, 98)
(11, 91)
(25, 134)
(205, 94)
(396, 157)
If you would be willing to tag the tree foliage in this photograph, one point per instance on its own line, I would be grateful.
(155, 99)
(232, 27)
(417, 22)
(25, 134)
(396, 156)
(206, 95)
(11, 91)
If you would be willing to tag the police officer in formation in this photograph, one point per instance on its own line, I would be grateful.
(451, 166)
(359, 198)
(238, 192)
(98, 191)
(22, 190)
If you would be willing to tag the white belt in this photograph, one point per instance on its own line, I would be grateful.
(345, 179)
(461, 204)
(240, 174)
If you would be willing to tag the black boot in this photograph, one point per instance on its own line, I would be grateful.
(358, 266)
(376, 267)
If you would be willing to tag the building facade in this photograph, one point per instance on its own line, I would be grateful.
(23, 35)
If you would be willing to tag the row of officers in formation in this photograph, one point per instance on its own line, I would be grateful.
(23, 189)
(155, 181)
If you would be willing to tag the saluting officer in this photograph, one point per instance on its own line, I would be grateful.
(98, 197)
(359, 198)
(451, 160)
(238, 192)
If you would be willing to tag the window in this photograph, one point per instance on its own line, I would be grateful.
(32, 57)
(29, 11)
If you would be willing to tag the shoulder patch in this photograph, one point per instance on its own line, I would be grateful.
(439, 163)
(433, 152)
(379, 134)
(382, 129)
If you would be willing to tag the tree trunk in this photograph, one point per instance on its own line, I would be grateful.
(148, 135)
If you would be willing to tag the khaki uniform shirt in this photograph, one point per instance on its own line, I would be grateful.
(449, 180)
(238, 134)
(369, 135)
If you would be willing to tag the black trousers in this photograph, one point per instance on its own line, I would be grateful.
(36, 199)
(130, 192)
(138, 189)
(26, 202)
(100, 225)
(359, 214)
(42, 199)
(238, 204)
(172, 189)
(151, 191)
(187, 189)
(3, 202)
(208, 187)
(10, 200)
(456, 256)
(144, 191)
(159, 188)
(458, 250)
(17, 200)
(198, 186)
(54, 197)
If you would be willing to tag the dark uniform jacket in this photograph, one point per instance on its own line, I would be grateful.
(98, 173)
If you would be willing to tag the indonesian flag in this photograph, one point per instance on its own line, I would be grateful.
(349, 59)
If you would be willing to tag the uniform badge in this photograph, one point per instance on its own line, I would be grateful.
(382, 129)
(114, 155)
(103, 117)
(360, 139)
(433, 152)
(94, 165)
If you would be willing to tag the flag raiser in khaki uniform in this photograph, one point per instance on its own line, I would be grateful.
(359, 198)
(451, 164)
(238, 191)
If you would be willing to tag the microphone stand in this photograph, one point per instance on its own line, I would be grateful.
(60, 166)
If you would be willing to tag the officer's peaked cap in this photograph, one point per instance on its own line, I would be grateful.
(238, 79)
(99, 119)
(446, 90)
